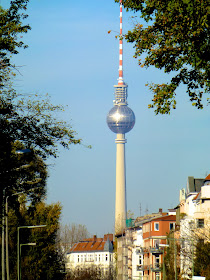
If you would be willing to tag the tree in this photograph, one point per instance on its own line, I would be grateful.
(174, 37)
(190, 246)
(11, 28)
(70, 234)
(91, 273)
(44, 260)
(202, 259)
(28, 122)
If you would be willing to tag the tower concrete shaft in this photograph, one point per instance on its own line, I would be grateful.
(120, 202)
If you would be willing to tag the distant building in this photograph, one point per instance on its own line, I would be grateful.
(93, 252)
(140, 255)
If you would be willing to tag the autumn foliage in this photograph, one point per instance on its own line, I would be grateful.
(173, 36)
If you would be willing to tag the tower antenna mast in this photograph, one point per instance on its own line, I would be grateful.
(120, 80)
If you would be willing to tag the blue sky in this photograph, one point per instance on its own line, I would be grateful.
(72, 57)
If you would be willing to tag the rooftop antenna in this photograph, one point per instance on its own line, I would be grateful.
(140, 208)
(146, 210)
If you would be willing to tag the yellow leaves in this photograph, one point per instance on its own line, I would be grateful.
(139, 25)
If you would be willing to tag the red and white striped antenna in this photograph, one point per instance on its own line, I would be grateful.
(120, 80)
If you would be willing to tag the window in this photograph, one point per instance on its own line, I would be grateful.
(99, 257)
(157, 262)
(200, 223)
(81, 258)
(157, 276)
(78, 258)
(156, 226)
(171, 226)
(106, 257)
(183, 244)
(156, 243)
(140, 260)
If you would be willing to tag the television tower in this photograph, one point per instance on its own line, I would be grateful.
(120, 120)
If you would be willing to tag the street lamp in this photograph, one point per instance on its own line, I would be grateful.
(7, 233)
(6, 222)
(18, 245)
(25, 244)
(24, 151)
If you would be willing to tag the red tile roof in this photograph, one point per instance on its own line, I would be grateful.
(207, 178)
(165, 218)
(91, 244)
(197, 195)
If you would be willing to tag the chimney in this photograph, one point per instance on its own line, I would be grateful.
(108, 236)
(94, 238)
(160, 210)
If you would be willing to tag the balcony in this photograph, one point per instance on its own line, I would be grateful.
(156, 267)
(142, 267)
(141, 251)
(156, 251)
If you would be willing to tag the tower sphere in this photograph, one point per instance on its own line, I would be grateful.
(120, 119)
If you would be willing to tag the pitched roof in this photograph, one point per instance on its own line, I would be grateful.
(165, 218)
(197, 196)
(207, 178)
(94, 244)
(148, 217)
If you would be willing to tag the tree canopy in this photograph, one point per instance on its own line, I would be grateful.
(69, 234)
(11, 22)
(31, 122)
(44, 260)
(202, 259)
(28, 121)
(173, 36)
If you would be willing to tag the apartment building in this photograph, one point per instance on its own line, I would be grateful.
(140, 255)
(194, 220)
(155, 232)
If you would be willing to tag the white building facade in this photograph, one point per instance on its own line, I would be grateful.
(93, 253)
(195, 221)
